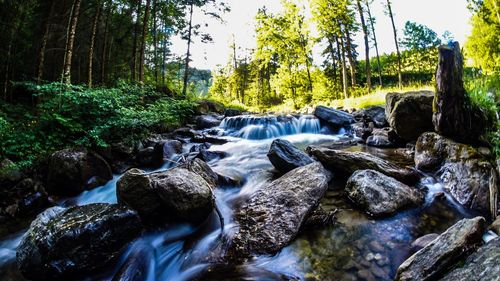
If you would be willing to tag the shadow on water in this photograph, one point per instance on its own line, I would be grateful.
(355, 248)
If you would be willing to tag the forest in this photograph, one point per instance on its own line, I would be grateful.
(339, 140)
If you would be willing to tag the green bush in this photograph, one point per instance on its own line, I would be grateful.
(75, 115)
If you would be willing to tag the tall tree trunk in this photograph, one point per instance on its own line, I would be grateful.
(155, 39)
(372, 24)
(92, 41)
(143, 41)
(70, 41)
(105, 42)
(133, 68)
(188, 53)
(344, 69)
(400, 78)
(334, 61)
(43, 47)
(350, 57)
(339, 60)
(367, 47)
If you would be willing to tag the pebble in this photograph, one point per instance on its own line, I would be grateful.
(366, 275)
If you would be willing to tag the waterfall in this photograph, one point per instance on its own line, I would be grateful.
(266, 127)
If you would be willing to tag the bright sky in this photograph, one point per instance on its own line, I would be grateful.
(439, 15)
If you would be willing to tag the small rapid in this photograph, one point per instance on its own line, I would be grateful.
(357, 243)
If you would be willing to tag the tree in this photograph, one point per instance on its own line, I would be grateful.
(391, 15)
(70, 40)
(372, 25)
(92, 41)
(367, 46)
(45, 38)
(483, 45)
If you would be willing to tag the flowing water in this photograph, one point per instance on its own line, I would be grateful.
(355, 248)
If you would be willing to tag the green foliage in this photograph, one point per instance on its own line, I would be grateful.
(75, 115)
(483, 45)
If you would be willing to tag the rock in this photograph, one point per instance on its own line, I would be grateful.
(333, 117)
(202, 169)
(205, 106)
(437, 257)
(185, 195)
(72, 171)
(455, 116)
(231, 112)
(482, 265)
(62, 243)
(120, 156)
(208, 155)
(410, 114)
(196, 148)
(285, 156)
(137, 267)
(349, 162)
(423, 241)
(466, 174)
(208, 121)
(207, 138)
(149, 157)
(185, 133)
(363, 130)
(170, 148)
(380, 195)
(136, 190)
(272, 217)
(226, 181)
(495, 226)
(10, 174)
(179, 194)
(380, 138)
(28, 197)
(375, 114)
(320, 218)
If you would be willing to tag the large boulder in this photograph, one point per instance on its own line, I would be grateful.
(208, 121)
(375, 114)
(482, 265)
(333, 117)
(62, 243)
(466, 174)
(455, 116)
(348, 162)
(437, 257)
(380, 195)
(179, 194)
(272, 217)
(72, 171)
(285, 156)
(410, 114)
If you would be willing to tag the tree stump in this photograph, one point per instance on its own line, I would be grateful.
(454, 115)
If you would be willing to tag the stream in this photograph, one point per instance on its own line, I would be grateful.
(356, 247)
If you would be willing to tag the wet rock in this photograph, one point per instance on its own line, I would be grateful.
(410, 114)
(170, 148)
(320, 218)
(348, 162)
(363, 130)
(433, 260)
(423, 241)
(186, 195)
(380, 195)
(455, 116)
(208, 121)
(285, 156)
(469, 177)
(272, 217)
(136, 190)
(185, 133)
(120, 156)
(334, 117)
(137, 267)
(26, 198)
(72, 171)
(174, 195)
(148, 157)
(202, 169)
(199, 147)
(227, 181)
(62, 243)
(210, 139)
(482, 265)
(375, 114)
(380, 138)
(208, 155)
